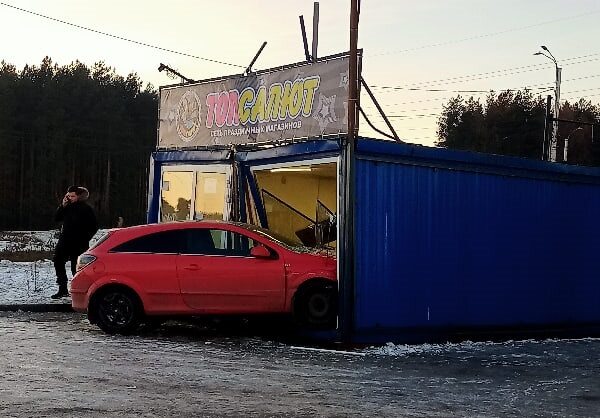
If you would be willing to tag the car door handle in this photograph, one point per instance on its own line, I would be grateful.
(192, 267)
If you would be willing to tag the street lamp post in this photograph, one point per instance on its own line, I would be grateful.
(579, 128)
(556, 101)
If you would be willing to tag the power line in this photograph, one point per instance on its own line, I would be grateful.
(591, 95)
(433, 99)
(407, 110)
(447, 98)
(481, 76)
(404, 117)
(427, 115)
(118, 37)
(388, 88)
(581, 78)
(487, 35)
(497, 73)
(505, 71)
(545, 87)
(579, 91)
(428, 90)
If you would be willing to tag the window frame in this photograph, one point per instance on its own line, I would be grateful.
(152, 235)
(227, 252)
(195, 169)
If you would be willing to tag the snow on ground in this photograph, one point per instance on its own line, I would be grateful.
(30, 282)
(28, 240)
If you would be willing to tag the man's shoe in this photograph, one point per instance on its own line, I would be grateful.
(60, 294)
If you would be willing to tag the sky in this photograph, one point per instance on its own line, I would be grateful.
(417, 55)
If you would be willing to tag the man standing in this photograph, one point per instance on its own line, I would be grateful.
(78, 226)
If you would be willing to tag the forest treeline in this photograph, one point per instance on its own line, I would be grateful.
(512, 123)
(73, 125)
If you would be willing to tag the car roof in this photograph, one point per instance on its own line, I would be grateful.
(171, 225)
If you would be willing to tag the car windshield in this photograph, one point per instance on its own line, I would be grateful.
(103, 237)
(273, 236)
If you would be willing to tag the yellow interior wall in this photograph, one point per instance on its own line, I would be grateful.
(299, 190)
(210, 195)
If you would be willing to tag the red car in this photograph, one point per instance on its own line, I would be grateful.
(143, 272)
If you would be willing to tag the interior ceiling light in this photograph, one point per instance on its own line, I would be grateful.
(291, 169)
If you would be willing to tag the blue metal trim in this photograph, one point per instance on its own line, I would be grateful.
(154, 205)
(473, 161)
(296, 151)
(445, 334)
(242, 194)
(260, 209)
(183, 156)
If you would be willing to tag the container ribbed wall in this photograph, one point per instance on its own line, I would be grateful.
(452, 244)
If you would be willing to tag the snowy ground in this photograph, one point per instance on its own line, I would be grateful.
(59, 365)
(21, 241)
(29, 282)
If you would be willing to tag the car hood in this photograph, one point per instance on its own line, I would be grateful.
(323, 252)
(322, 257)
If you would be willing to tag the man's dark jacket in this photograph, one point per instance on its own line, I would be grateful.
(78, 225)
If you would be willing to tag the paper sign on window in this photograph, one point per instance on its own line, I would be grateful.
(210, 186)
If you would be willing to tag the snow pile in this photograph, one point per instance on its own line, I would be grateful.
(27, 282)
(30, 282)
(401, 350)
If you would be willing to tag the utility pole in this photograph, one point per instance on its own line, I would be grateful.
(547, 129)
(553, 141)
(347, 266)
(556, 115)
(353, 71)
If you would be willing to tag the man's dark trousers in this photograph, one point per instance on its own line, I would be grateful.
(62, 254)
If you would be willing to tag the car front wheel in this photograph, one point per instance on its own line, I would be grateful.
(316, 305)
(117, 311)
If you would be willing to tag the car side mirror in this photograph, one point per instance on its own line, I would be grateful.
(260, 251)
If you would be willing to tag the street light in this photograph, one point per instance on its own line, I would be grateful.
(556, 100)
(174, 73)
(579, 128)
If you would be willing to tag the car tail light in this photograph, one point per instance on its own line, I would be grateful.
(84, 260)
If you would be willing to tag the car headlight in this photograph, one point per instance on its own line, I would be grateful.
(84, 260)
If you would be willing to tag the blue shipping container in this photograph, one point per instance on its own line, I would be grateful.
(450, 242)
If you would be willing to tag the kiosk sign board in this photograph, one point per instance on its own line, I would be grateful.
(299, 101)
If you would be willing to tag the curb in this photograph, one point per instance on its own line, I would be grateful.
(38, 307)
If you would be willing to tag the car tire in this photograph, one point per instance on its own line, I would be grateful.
(315, 305)
(117, 311)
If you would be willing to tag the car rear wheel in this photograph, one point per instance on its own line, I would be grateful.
(117, 311)
(316, 305)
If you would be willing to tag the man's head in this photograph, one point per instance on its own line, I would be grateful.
(76, 193)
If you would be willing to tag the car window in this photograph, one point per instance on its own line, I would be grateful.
(273, 236)
(166, 242)
(217, 242)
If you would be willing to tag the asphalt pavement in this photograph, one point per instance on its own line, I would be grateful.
(59, 365)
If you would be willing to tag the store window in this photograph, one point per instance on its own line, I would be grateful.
(210, 195)
(300, 201)
(195, 192)
(176, 196)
